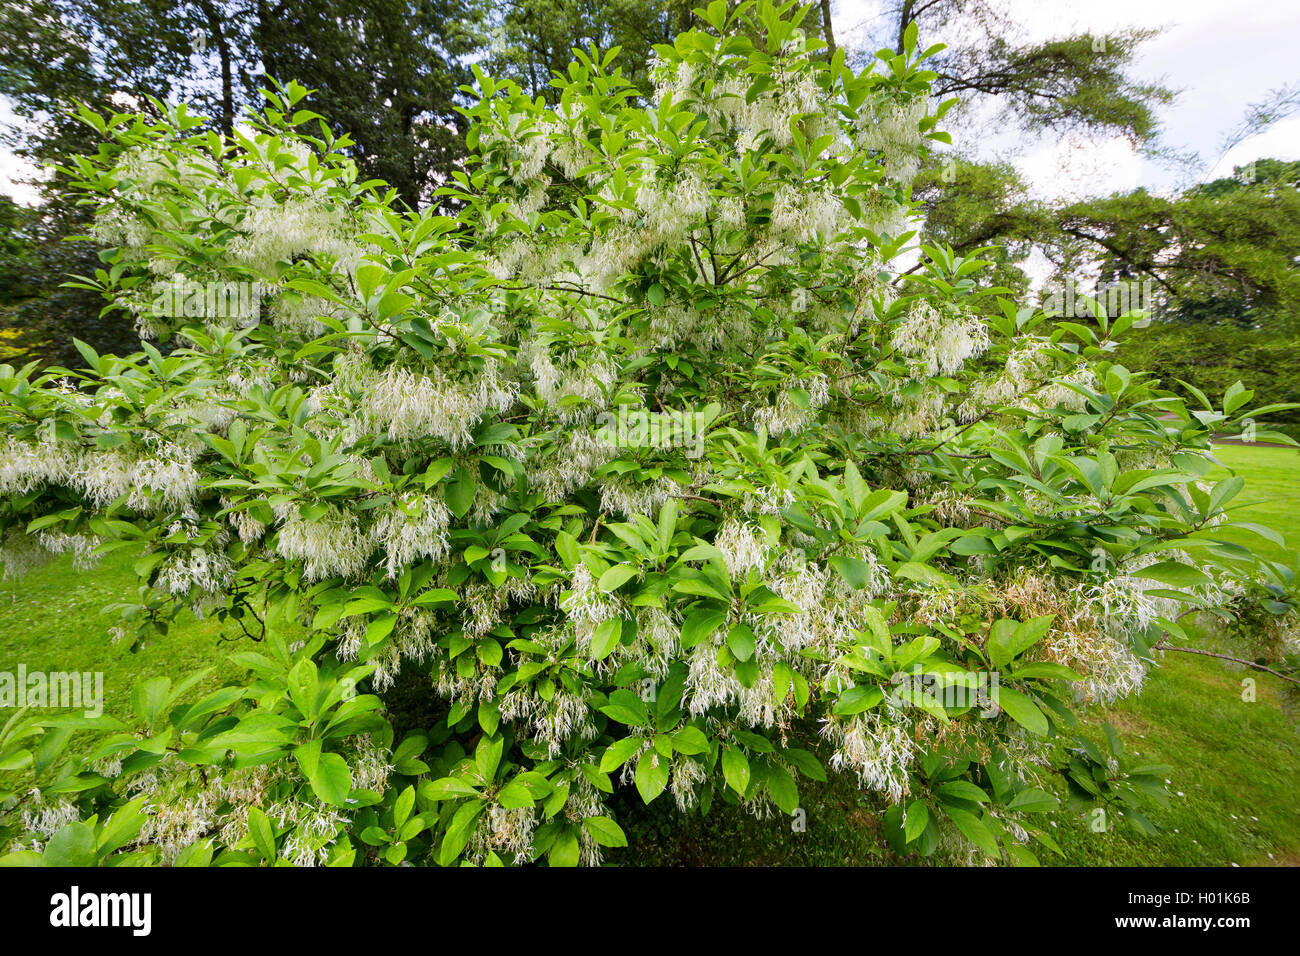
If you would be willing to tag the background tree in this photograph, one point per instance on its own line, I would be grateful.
(60, 52)
(1221, 253)
(386, 73)
(117, 53)
(16, 246)
(533, 39)
(1079, 82)
(1220, 258)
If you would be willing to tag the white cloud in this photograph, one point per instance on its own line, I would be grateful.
(1077, 167)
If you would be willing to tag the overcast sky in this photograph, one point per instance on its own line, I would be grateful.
(1222, 56)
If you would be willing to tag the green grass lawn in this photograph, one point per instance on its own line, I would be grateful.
(52, 620)
(1270, 497)
(1232, 787)
(1235, 763)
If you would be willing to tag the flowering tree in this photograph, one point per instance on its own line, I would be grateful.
(640, 447)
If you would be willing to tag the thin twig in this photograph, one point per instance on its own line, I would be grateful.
(1162, 646)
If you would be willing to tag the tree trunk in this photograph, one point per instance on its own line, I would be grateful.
(904, 19)
(213, 16)
(826, 27)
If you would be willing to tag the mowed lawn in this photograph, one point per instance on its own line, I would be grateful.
(52, 620)
(1235, 763)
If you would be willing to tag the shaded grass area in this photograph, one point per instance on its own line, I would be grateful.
(1231, 794)
(839, 826)
(52, 620)
(1232, 787)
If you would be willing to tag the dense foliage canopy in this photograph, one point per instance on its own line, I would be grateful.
(642, 449)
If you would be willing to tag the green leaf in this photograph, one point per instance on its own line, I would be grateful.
(783, 789)
(122, 826)
(962, 790)
(437, 471)
(606, 637)
(566, 546)
(741, 641)
(436, 596)
(605, 831)
(196, 854)
(855, 572)
(380, 628)
(1034, 801)
(974, 829)
(72, 845)
(878, 630)
(565, 851)
(690, 740)
(402, 805)
(487, 756)
(459, 831)
(855, 486)
(1023, 711)
(735, 768)
(627, 708)
(1008, 639)
(808, 765)
(446, 788)
(1236, 396)
(1112, 740)
(915, 820)
(616, 577)
(701, 552)
(701, 587)
(395, 854)
(1174, 574)
(857, 699)
(1048, 671)
(259, 828)
(619, 752)
(515, 796)
(699, 624)
(332, 780)
(651, 775)
(1021, 855)
(460, 493)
